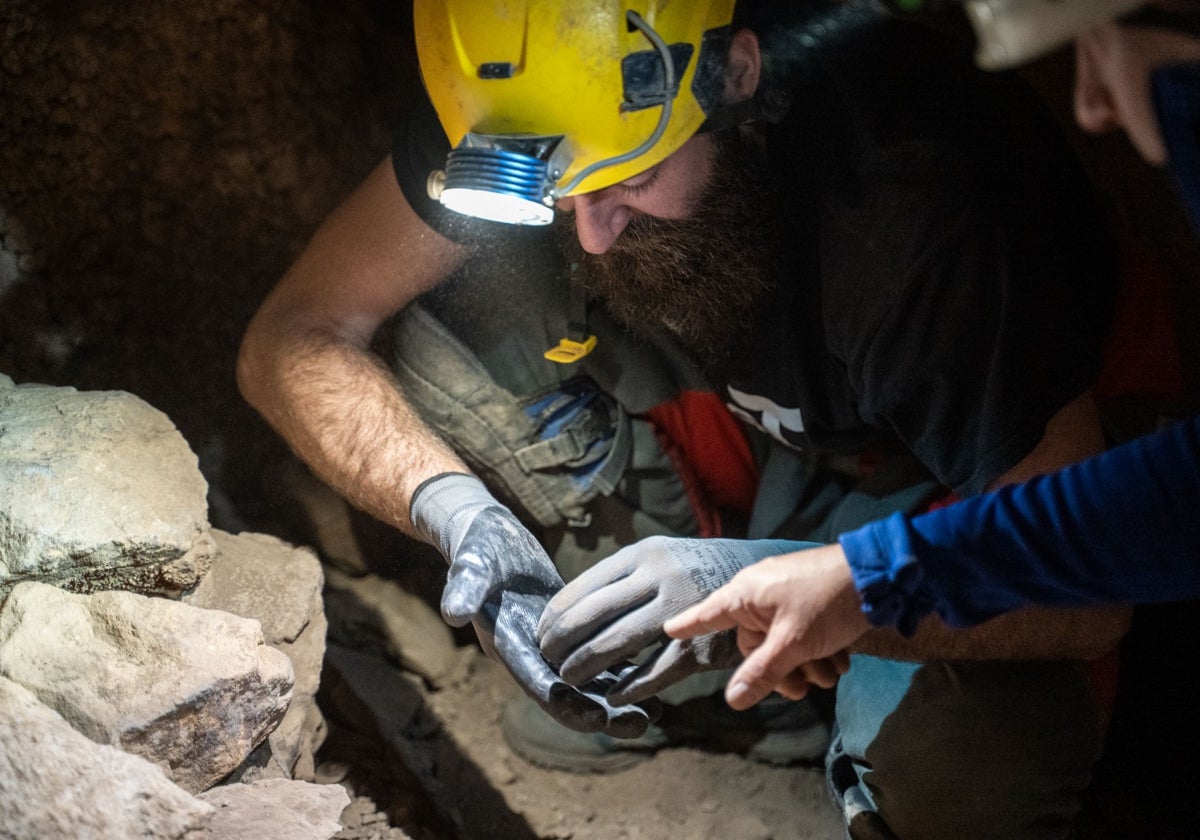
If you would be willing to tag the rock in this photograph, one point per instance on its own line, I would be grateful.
(10, 270)
(276, 809)
(193, 689)
(54, 782)
(372, 611)
(264, 578)
(261, 764)
(328, 516)
(98, 490)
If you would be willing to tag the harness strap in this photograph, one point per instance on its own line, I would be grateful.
(553, 452)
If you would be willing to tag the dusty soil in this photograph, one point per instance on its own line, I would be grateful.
(448, 743)
(414, 719)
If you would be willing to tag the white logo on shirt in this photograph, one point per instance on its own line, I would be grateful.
(764, 414)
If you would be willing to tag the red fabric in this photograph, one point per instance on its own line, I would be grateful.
(947, 498)
(1141, 359)
(711, 453)
(1104, 678)
(1141, 356)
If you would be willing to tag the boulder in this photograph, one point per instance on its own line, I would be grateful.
(54, 782)
(98, 490)
(276, 809)
(193, 689)
(264, 578)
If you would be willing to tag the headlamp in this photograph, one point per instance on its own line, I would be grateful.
(502, 179)
(514, 178)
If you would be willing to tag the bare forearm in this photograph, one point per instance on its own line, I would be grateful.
(1034, 633)
(339, 409)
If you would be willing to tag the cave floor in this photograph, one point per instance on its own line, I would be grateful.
(448, 743)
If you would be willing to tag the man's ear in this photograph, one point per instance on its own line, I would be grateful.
(743, 67)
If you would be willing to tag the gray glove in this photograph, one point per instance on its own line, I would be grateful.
(617, 608)
(500, 580)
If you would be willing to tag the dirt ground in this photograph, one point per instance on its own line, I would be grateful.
(414, 715)
(417, 733)
(446, 745)
(676, 793)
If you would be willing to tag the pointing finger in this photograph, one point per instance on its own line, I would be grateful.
(712, 614)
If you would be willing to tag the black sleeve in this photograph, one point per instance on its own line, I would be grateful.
(1000, 325)
(969, 366)
(999, 274)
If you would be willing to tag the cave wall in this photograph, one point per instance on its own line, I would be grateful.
(160, 166)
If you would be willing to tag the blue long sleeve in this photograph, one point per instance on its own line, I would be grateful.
(1123, 526)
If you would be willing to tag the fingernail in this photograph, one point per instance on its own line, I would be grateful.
(736, 692)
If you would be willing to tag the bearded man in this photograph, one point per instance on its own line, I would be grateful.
(892, 274)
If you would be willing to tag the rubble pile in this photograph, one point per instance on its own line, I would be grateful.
(158, 676)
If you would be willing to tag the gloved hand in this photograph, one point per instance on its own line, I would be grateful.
(500, 580)
(617, 608)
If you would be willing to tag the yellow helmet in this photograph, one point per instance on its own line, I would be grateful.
(542, 99)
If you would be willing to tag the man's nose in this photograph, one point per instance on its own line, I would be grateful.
(1094, 111)
(599, 219)
(1094, 108)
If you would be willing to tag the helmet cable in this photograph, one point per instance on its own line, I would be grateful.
(664, 117)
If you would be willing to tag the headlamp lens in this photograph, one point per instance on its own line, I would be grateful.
(496, 206)
(497, 184)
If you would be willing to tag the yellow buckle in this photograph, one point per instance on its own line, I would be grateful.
(568, 351)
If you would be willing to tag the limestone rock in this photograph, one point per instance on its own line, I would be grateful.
(328, 516)
(192, 689)
(98, 490)
(54, 782)
(264, 578)
(276, 809)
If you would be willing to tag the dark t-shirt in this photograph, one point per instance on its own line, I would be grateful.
(946, 281)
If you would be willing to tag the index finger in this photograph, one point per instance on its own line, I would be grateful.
(712, 614)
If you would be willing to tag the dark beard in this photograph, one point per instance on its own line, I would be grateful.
(700, 278)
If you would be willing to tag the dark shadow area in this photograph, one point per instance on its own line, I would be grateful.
(1145, 784)
(159, 169)
(405, 761)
